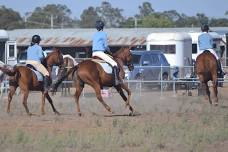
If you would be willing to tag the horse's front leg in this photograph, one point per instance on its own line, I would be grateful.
(42, 103)
(127, 100)
(51, 102)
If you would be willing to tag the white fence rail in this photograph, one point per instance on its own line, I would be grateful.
(172, 81)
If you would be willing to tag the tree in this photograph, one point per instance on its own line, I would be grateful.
(146, 9)
(52, 14)
(202, 19)
(226, 13)
(111, 16)
(88, 18)
(172, 14)
(157, 20)
(10, 19)
(220, 22)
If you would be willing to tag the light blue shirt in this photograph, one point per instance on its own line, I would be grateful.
(205, 41)
(100, 41)
(35, 53)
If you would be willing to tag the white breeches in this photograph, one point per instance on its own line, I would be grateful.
(211, 50)
(105, 57)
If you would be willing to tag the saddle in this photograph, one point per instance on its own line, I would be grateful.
(39, 75)
(105, 65)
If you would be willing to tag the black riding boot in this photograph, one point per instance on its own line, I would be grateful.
(220, 72)
(46, 83)
(116, 76)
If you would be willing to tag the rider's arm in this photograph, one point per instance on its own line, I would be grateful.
(40, 53)
(106, 43)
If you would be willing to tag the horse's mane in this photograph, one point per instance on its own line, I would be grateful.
(120, 51)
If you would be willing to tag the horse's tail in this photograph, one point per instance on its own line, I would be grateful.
(13, 74)
(64, 76)
(8, 71)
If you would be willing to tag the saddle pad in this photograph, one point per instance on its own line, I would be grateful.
(107, 67)
(39, 76)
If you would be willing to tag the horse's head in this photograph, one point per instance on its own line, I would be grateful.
(54, 58)
(125, 55)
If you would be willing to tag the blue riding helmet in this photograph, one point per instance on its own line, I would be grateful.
(99, 25)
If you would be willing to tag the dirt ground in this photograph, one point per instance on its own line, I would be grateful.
(164, 111)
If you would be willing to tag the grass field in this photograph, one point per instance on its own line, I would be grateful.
(164, 123)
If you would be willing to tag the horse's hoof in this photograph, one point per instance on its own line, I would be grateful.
(79, 114)
(131, 113)
(57, 113)
(30, 114)
(43, 113)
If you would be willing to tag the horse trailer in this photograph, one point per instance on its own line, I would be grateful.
(8, 49)
(217, 43)
(177, 48)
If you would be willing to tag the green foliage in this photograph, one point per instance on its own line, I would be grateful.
(10, 19)
(88, 18)
(156, 20)
(146, 9)
(111, 16)
(41, 17)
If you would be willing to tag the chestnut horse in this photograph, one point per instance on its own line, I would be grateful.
(206, 69)
(91, 73)
(24, 78)
(69, 62)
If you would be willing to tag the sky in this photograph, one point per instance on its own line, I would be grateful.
(211, 8)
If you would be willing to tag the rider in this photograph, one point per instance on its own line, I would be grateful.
(100, 46)
(205, 42)
(35, 56)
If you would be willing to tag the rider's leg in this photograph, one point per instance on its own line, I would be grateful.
(220, 71)
(117, 80)
(219, 66)
(108, 59)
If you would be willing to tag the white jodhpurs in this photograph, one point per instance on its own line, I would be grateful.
(105, 57)
(211, 50)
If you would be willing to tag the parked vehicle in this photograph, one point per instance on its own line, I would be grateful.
(150, 65)
(22, 56)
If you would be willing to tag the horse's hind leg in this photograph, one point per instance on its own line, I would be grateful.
(215, 92)
(78, 92)
(208, 93)
(127, 100)
(97, 89)
(10, 96)
(51, 103)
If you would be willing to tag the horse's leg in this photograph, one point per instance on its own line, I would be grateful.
(97, 89)
(10, 96)
(42, 103)
(78, 92)
(51, 102)
(25, 98)
(215, 89)
(208, 92)
(127, 100)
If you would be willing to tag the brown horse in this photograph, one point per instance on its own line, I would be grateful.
(206, 69)
(24, 78)
(91, 73)
(69, 62)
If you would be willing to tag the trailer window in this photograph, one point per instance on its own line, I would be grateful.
(166, 49)
(194, 48)
(11, 50)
